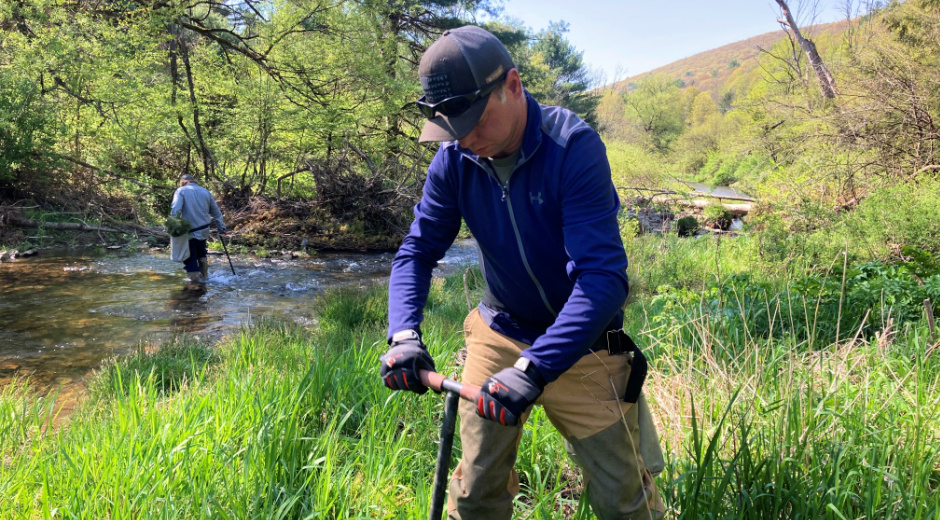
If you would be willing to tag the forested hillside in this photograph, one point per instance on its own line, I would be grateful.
(862, 156)
(712, 70)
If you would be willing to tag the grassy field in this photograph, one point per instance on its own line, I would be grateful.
(764, 412)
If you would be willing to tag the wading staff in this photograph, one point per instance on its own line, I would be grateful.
(453, 391)
(226, 255)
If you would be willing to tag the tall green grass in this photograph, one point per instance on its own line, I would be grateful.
(286, 422)
(771, 429)
(771, 411)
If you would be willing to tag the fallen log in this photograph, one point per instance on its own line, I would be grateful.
(738, 210)
(69, 226)
(116, 227)
(698, 191)
(130, 228)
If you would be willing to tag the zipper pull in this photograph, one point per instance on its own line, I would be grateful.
(505, 191)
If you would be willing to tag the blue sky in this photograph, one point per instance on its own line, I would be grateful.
(642, 35)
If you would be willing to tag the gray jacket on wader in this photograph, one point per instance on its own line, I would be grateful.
(196, 204)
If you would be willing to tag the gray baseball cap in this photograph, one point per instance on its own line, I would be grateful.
(461, 68)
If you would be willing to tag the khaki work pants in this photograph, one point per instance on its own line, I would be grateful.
(600, 431)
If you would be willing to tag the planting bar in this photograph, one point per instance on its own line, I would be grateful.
(436, 381)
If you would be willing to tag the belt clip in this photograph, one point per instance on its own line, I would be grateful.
(620, 344)
(613, 346)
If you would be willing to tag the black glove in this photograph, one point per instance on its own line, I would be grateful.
(400, 365)
(505, 396)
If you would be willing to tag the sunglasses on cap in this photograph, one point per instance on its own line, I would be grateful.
(456, 105)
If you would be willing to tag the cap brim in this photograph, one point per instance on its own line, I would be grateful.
(452, 128)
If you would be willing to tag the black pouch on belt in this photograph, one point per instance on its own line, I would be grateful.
(618, 342)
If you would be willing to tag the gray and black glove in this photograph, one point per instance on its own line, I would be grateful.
(400, 365)
(506, 395)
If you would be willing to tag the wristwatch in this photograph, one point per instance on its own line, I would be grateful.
(528, 368)
(523, 363)
(405, 334)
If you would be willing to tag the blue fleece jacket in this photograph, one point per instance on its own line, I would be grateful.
(550, 247)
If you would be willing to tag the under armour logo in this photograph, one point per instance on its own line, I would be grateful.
(535, 197)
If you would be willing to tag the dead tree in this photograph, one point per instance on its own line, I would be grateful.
(826, 83)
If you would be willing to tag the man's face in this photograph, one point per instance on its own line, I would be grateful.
(493, 135)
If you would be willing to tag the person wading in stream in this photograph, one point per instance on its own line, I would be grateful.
(533, 184)
(195, 204)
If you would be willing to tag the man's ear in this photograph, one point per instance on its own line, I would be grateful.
(513, 83)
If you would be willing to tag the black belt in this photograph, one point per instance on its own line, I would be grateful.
(617, 342)
(200, 228)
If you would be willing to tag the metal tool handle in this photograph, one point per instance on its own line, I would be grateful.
(454, 392)
(436, 381)
(226, 254)
(443, 456)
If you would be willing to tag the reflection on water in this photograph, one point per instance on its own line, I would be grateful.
(62, 313)
(190, 308)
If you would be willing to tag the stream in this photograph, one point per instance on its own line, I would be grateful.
(63, 312)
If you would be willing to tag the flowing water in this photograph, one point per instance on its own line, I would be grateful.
(63, 313)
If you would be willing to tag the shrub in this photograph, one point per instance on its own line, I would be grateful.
(718, 216)
(773, 237)
(819, 309)
(632, 165)
(687, 226)
(712, 163)
(904, 215)
(750, 165)
(629, 225)
(23, 122)
(725, 175)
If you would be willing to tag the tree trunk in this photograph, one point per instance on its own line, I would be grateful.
(208, 160)
(175, 80)
(826, 83)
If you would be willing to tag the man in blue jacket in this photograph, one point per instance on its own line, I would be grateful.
(194, 203)
(533, 184)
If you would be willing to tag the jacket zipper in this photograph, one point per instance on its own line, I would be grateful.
(525, 261)
(515, 228)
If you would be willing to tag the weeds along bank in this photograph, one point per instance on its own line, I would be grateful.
(791, 392)
(281, 422)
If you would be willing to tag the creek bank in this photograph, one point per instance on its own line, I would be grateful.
(65, 311)
(699, 210)
(661, 219)
(340, 220)
(254, 225)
